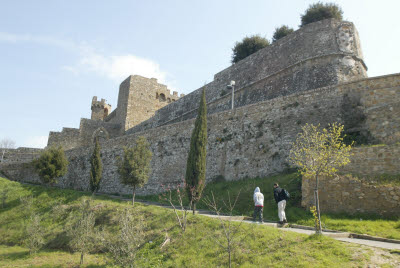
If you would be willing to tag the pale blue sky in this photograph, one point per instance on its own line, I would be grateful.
(55, 55)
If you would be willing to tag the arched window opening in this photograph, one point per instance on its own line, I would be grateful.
(162, 97)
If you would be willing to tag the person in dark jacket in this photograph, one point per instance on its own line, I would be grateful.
(280, 199)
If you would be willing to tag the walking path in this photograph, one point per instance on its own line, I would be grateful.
(341, 236)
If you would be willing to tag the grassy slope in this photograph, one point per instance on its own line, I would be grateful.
(360, 223)
(260, 246)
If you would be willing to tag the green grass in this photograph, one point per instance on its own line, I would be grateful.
(359, 223)
(260, 246)
(16, 256)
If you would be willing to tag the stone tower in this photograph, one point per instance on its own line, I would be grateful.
(100, 109)
(139, 98)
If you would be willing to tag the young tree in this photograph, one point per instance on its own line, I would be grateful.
(196, 163)
(131, 237)
(181, 216)
(34, 233)
(134, 168)
(96, 168)
(5, 145)
(319, 153)
(248, 46)
(230, 231)
(320, 11)
(81, 231)
(4, 196)
(281, 32)
(51, 164)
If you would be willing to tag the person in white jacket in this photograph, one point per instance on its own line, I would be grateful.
(258, 198)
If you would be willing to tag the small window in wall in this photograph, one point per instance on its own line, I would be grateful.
(162, 98)
(105, 112)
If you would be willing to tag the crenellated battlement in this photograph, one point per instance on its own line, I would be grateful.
(100, 109)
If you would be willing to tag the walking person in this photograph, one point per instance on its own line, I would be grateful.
(258, 198)
(281, 195)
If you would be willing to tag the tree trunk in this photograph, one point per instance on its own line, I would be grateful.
(133, 196)
(2, 155)
(229, 252)
(194, 208)
(81, 258)
(319, 230)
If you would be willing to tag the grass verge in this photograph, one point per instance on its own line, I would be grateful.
(358, 223)
(259, 245)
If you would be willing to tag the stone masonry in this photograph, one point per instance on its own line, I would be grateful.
(314, 75)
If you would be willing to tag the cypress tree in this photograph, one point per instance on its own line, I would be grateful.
(196, 163)
(96, 168)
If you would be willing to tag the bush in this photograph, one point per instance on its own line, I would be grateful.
(51, 164)
(320, 11)
(281, 32)
(248, 46)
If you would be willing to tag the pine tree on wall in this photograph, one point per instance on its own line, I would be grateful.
(134, 168)
(196, 163)
(96, 168)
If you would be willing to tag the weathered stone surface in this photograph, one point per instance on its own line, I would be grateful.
(315, 75)
(371, 199)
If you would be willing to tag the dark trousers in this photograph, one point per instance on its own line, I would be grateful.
(258, 211)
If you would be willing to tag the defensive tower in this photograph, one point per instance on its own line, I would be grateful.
(100, 109)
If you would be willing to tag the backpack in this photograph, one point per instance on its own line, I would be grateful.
(285, 194)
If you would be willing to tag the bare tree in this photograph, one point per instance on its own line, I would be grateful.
(5, 145)
(123, 247)
(4, 196)
(230, 239)
(181, 212)
(34, 235)
(81, 231)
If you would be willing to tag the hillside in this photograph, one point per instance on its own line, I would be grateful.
(358, 223)
(259, 245)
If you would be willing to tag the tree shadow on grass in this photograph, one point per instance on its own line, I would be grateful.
(13, 256)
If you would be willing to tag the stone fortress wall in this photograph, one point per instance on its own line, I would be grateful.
(320, 54)
(138, 100)
(320, 80)
(19, 155)
(254, 141)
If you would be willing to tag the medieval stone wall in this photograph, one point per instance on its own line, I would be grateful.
(317, 55)
(139, 98)
(20, 155)
(90, 129)
(68, 138)
(358, 192)
(249, 141)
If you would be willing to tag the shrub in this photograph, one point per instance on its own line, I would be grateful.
(281, 32)
(51, 164)
(320, 11)
(34, 234)
(81, 232)
(248, 46)
(131, 237)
